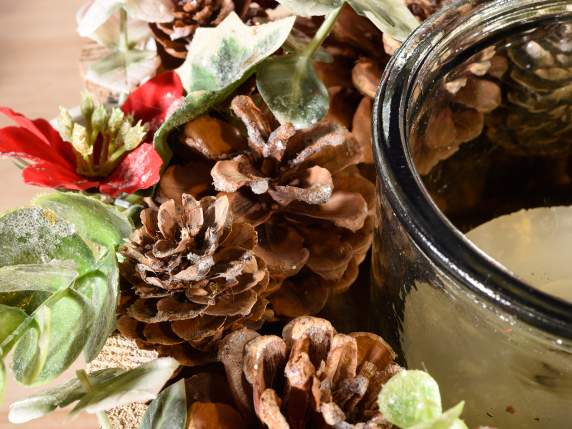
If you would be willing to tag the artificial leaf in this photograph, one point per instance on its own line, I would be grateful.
(93, 220)
(37, 236)
(97, 13)
(58, 397)
(292, 90)
(101, 289)
(410, 398)
(109, 33)
(150, 10)
(140, 384)
(55, 338)
(447, 420)
(94, 14)
(122, 71)
(169, 410)
(222, 55)
(390, 16)
(36, 277)
(10, 319)
(310, 8)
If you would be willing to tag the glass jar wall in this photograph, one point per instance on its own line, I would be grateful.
(473, 121)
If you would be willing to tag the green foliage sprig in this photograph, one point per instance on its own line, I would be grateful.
(113, 387)
(59, 277)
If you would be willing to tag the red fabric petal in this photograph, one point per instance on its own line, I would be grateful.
(23, 143)
(26, 123)
(138, 170)
(56, 176)
(64, 148)
(151, 101)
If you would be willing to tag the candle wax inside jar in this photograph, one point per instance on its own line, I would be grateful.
(535, 245)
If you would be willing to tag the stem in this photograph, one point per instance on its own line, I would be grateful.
(123, 36)
(323, 32)
(101, 416)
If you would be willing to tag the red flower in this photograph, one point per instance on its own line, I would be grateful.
(53, 160)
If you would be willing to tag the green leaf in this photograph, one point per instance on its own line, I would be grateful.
(222, 55)
(122, 71)
(447, 420)
(137, 385)
(37, 236)
(390, 16)
(101, 289)
(10, 319)
(292, 90)
(169, 410)
(58, 397)
(410, 398)
(94, 221)
(54, 338)
(309, 8)
(36, 277)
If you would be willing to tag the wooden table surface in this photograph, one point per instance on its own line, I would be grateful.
(39, 51)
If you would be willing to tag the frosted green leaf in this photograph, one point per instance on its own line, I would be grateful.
(292, 90)
(410, 398)
(309, 8)
(53, 340)
(447, 420)
(93, 220)
(121, 72)
(220, 56)
(36, 277)
(140, 384)
(101, 289)
(61, 396)
(10, 319)
(90, 18)
(390, 16)
(169, 410)
(37, 236)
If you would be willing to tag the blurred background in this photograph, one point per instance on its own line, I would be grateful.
(40, 49)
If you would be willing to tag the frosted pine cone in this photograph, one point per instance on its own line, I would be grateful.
(312, 209)
(193, 277)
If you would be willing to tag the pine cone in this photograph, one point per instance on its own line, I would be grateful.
(173, 37)
(192, 277)
(536, 116)
(456, 112)
(312, 209)
(312, 377)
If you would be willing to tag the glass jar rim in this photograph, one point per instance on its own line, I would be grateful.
(429, 229)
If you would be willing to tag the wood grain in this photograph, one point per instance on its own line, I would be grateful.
(39, 52)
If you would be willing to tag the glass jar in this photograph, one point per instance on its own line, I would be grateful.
(474, 121)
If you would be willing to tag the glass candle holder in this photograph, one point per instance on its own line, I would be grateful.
(474, 121)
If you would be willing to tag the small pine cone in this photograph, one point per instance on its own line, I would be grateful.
(312, 209)
(312, 377)
(456, 114)
(173, 37)
(192, 277)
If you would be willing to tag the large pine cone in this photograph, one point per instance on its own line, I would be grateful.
(536, 116)
(192, 277)
(312, 209)
(173, 37)
(312, 377)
